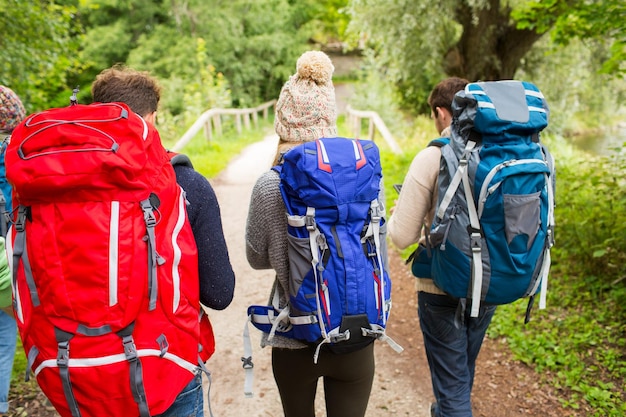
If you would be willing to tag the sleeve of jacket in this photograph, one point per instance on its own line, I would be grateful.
(5, 278)
(266, 223)
(416, 202)
(217, 278)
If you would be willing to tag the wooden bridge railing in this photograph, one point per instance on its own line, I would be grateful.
(375, 123)
(211, 122)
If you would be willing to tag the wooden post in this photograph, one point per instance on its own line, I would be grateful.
(238, 122)
(371, 130)
(217, 121)
(208, 132)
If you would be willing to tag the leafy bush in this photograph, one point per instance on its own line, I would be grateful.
(578, 344)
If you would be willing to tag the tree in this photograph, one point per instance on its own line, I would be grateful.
(420, 42)
(253, 43)
(37, 44)
(592, 20)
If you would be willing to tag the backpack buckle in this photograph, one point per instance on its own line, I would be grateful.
(475, 241)
(21, 219)
(340, 337)
(148, 213)
(309, 219)
(63, 354)
(130, 351)
(375, 212)
(247, 362)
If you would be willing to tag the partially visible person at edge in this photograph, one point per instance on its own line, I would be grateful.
(142, 93)
(451, 351)
(11, 114)
(305, 111)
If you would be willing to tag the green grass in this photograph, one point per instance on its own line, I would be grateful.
(211, 157)
(19, 364)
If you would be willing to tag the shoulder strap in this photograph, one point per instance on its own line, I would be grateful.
(439, 142)
(179, 159)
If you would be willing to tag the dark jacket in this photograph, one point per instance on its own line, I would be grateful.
(217, 279)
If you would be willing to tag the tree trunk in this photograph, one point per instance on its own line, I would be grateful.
(491, 47)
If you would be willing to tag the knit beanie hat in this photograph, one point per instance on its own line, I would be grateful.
(11, 109)
(306, 108)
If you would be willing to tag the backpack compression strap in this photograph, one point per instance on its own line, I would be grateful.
(130, 351)
(318, 244)
(154, 258)
(373, 230)
(19, 251)
(461, 177)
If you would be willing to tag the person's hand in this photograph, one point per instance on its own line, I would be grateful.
(8, 310)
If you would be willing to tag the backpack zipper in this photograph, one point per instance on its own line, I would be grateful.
(487, 190)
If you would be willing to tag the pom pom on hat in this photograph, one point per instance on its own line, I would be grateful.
(11, 109)
(306, 109)
(315, 65)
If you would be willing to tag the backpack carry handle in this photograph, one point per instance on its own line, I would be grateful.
(73, 97)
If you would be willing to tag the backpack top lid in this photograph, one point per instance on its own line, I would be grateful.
(497, 110)
(331, 172)
(85, 152)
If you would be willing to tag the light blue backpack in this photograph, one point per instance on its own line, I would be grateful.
(494, 221)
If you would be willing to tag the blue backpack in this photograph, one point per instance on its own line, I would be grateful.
(340, 292)
(5, 193)
(494, 222)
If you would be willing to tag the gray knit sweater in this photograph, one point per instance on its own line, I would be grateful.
(266, 243)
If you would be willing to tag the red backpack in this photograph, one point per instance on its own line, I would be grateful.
(104, 263)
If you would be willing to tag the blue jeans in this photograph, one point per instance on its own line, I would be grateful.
(8, 336)
(451, 351)
(189, 402)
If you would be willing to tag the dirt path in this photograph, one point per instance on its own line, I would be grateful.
(395, 391)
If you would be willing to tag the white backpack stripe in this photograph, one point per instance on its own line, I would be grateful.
(114, 230)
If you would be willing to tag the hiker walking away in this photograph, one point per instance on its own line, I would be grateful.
(306, 111)
(451, 351)
(217, 280)
(11, 114)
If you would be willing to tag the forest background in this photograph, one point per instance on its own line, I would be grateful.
(210, 53)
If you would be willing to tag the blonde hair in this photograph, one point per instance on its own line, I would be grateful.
(283, 147)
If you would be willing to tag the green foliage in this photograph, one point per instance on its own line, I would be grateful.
(591, 198)
(325, 20)
(254, 45)
(586, 20)
(187, 98)
(373, 92)
(418, 44)
(104, 46)
(409, 38)
(37, 44)
(578, 343)
(578, 96)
